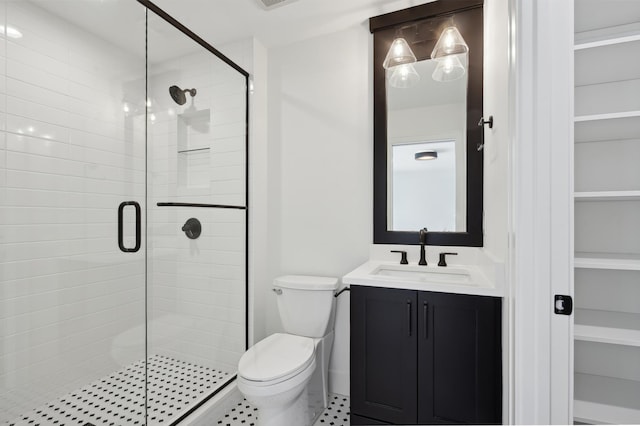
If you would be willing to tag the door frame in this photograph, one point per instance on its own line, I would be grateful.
(541, 210)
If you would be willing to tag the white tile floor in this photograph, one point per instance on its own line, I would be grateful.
(174, 387)
(336, 414)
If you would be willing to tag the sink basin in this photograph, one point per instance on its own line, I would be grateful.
(457, 278)
(421, 274)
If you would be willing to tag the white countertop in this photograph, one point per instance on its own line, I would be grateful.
(455, 278)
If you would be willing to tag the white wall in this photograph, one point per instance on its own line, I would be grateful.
(321, 154)
(497, 149)
(320, 167)
(71, 157)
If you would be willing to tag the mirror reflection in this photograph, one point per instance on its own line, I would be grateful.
(427, 112)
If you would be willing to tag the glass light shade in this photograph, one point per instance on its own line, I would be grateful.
(449, 43)
(399, 54)
(448, 69)
(403, 76)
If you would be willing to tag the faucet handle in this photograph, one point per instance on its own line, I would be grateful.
(443, 259)
(403, 259)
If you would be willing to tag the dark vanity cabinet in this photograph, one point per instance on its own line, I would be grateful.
(421, 357)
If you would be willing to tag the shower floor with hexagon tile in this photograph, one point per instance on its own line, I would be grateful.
(336, 414)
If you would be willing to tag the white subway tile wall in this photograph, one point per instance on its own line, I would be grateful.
(197, 155)
(197, 299)
(72, 148)
(70, 156)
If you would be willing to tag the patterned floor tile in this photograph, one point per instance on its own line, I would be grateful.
(336, 414)
(174, 387)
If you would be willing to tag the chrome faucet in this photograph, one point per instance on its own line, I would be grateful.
(423, 241)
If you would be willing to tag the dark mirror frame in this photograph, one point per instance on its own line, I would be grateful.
(468, 18)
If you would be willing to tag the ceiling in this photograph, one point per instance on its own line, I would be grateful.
(224, 21)
(121, 22)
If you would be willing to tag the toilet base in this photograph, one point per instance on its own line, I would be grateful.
(310, 394)
(296, 413)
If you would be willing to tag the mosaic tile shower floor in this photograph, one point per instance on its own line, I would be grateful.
(118, 399)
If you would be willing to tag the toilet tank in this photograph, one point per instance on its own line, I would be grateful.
(306, 304)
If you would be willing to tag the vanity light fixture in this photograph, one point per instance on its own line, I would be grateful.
(404, 76)
(449, 43)
(426, 155)
(447, 52)
(399, 54)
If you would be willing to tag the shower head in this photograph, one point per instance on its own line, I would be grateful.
(178, 94)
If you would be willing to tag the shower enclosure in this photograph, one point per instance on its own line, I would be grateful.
(123, 215)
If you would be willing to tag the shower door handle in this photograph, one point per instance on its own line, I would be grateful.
(121, 226)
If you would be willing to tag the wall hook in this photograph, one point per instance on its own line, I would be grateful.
(482, 122)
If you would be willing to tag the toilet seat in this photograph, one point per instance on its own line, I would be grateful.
(276, 358)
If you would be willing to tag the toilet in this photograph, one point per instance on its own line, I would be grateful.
(285, 376)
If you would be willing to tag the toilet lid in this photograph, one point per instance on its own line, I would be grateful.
(275, 357)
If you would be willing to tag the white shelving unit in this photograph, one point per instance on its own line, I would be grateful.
(607, 211)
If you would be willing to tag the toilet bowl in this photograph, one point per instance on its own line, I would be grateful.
(285, 375)
(273, 376)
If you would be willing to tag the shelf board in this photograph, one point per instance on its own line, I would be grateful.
(607, 42)
(612, 336)
(607, 196)
(184, 151)
(623, 262)
(609, 116)
(618, 328)
(594, 413)
(600, 399)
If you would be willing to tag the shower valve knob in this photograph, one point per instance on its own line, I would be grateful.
(192, 228)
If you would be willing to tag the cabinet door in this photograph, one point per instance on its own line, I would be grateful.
(383, 354)
(459, 359)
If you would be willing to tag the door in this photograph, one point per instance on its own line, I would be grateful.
(72, 256)
(383, 341)
(459, 359)
(197, 218)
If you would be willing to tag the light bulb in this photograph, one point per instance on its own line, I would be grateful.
(449, 68)
(399, 54)
(449, 43)
(404, 76)
(448, 65)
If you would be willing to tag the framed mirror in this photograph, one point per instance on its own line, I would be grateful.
(428, 161)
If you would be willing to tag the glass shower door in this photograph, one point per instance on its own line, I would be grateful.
(197, 139)
(72, 149)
